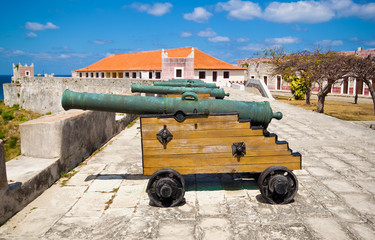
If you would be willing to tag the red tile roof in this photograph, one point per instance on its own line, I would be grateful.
(151, 61)
(360, 53)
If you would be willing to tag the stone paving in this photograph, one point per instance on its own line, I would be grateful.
(106, 198)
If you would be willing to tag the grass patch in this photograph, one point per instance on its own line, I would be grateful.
(132, 123)
(110, 201)
(67, 176)
(10, 119)
(339, 109)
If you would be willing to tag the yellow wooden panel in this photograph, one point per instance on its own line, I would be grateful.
(250, 149)
(224, 169)
(251, 141)
(198, 133)
(201, 160)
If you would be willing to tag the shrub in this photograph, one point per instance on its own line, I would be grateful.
(22, 118)
(2, 135)
(7, 115)
(16, 107)
(13, 142)
(297, 86)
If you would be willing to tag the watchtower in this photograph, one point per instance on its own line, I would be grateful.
(23, 71)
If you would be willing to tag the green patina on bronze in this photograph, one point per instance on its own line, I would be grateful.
(214, 92)
(186, 84)
(258, 113)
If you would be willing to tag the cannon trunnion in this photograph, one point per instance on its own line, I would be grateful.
(186, 135)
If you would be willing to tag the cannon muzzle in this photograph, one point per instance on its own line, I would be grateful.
(258, 113)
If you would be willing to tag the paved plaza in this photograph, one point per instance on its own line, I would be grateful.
(106, 198)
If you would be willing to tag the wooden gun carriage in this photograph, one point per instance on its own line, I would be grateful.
(187, 135)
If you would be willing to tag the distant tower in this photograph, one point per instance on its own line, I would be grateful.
(20, 71)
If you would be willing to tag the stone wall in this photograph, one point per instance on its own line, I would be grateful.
(43, 94)
(52, 145)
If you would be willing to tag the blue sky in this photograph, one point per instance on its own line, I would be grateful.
(59, 36)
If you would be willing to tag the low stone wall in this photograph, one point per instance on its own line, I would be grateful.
(51, 145)
(43, 94)
(261, 86)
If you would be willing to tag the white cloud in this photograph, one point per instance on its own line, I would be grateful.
(347, 8)
(157, 9)
(64, 56)
(325, 43)
(219, 39)
(243, 39)
(283, 40)
(199, 15)
(370, 43)
(298, 12)
(31, 35)
(101, 42)
(208, 32)
(34, 26)
(354, 39)
(18, 52)
(242, 10)
(186, 34)
(253, 47)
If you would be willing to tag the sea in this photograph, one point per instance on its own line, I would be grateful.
(4, 79)
(8, 79)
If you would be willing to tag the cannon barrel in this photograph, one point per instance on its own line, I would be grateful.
(258, 113)
(185, 80)
(185, 84)
(214, 92)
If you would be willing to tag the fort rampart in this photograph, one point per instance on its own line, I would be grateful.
(54, 144)
(43, 94)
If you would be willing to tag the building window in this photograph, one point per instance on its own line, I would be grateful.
(178, 72)
(157, 75)
(127, 75)
(27, 73)
(114, 75)
(97, 75)
(92, 75)
(265, 80)
(226, 74)
(80, 74)
(87, 74)
(120, 75)
(140, 75)
(134, 74)
(202, 74)
(150, 75)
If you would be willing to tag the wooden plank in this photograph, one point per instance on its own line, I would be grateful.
(199, 160)
(224, 169)
(250, 150)
(197, 133)
(176, 143)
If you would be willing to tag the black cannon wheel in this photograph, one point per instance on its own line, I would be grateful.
(278, 185)
(166, 188)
